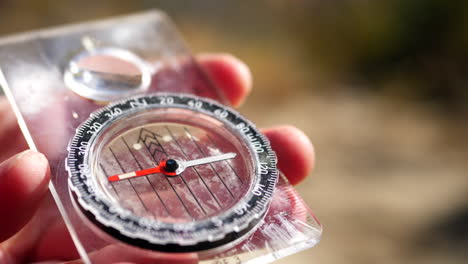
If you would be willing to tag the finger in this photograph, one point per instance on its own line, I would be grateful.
(33, 242)
(124, 254)
(23, 184)
(229, 74)
(56, 234)
(295, 152)
(11, 139)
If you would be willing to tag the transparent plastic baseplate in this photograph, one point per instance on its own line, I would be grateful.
(33, 66)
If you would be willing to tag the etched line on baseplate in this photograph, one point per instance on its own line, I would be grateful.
(198, 173)
(107, 175)
(129, 180)
(226, 161)
(203, 154)
(170, 184)
(146, 176)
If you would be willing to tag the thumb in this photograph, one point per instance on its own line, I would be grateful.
(23, 183)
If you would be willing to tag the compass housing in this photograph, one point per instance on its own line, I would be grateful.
(123, 223)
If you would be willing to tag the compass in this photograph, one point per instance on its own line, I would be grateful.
(171, 172)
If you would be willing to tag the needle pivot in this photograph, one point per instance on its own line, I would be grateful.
(171, 165)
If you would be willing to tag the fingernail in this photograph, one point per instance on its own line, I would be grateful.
(242, 69)
(34, 164)
(25, 153)
(39, 158)
(11, 162)
(244, 72)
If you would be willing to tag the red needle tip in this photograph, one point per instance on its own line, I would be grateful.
(113, 178)
(129, 175)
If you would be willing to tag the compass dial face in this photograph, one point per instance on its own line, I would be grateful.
(171, 172)
(197, 193)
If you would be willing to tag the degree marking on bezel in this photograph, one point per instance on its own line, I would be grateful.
(200, 231)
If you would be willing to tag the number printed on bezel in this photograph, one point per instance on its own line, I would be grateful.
(171, 172)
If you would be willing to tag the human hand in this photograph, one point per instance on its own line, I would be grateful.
(31, 230)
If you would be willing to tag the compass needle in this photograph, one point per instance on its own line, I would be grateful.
(172, 167)
(211, 159)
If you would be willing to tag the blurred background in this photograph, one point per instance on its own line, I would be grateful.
(379, 86)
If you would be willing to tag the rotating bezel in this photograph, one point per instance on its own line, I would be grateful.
(171, 237)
